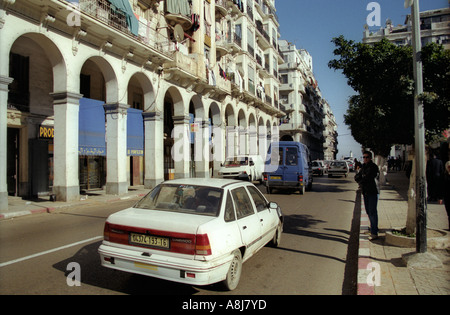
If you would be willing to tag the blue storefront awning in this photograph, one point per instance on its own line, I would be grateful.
(135, 132)
(91, 135)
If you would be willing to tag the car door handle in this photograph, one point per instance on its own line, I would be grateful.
(244, 227)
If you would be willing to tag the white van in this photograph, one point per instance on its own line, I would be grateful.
(244, 167)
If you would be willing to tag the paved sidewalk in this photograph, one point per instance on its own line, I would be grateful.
(19, 207)
(383, 263)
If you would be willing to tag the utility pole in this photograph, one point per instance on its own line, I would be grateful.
(421, 258)
(419, 131)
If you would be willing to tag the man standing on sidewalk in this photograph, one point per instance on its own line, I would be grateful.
(367, 179)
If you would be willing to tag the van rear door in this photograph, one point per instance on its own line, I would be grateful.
(291, 165)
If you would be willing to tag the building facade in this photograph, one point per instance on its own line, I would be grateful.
(104, 94)
(434, 28)
(309, 118)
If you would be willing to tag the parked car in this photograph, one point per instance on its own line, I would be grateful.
(318, 167)
(288, 167)
(338, 168)
(351, 163)
(244, 167)
(192, 232)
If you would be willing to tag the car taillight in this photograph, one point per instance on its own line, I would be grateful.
(202, 245)
(300, 178)
(182, 243)
(106, 232)
(265, 177)
(114, 234)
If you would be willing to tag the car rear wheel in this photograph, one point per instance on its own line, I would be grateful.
(234, 273)
(277, 237)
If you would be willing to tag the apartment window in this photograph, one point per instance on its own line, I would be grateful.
(238, 34)
(284, 79)
(251, 80)
(250, 42)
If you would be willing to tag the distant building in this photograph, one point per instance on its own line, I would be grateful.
(309, 118)
(434, 25)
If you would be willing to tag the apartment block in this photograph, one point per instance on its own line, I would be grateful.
(309, 118)
(108, 94)
(434, 28)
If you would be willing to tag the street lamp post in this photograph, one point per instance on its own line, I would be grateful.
(419, 131)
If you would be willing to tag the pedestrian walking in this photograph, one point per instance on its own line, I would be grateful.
(434, 174)
(367, 178)
(447, 191)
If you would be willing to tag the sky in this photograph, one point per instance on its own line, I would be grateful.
(311, 24)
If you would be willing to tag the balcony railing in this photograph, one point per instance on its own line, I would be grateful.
(102, 11)
(251, 50)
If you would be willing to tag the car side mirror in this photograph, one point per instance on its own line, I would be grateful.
(273, 205)
(252, 163)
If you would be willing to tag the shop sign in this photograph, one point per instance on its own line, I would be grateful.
(46, 132)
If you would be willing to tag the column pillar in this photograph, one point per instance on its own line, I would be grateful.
(153, 149)
(202, 150)
(263, 144)
(116, 149)
(4, 82)
(253, 141)
(181, 148)
(217, 152)
(232, 148)
(66, 106)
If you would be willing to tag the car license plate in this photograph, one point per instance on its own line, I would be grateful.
(275, 177)
(149, 240)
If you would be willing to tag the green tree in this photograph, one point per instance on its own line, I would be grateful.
(382, 113)
(436, 96)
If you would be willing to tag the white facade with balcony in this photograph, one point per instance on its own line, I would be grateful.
(309, 118)
(173, 89)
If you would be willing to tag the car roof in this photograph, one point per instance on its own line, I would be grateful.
(209, 182)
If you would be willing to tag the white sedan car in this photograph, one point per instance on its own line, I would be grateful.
(192, 231)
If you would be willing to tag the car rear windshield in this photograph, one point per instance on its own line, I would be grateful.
(237, 161)
(339, 164)
(201, 200)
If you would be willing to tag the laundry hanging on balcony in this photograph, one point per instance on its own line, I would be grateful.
(125, 7)
(178, 7)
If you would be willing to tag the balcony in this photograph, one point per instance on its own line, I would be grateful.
(261, 36)
(234, 44)
(287, 108)
(184, 70)
(250, 13)
(178, 12)
(287, 87)
(223, 84)
(102, 10)
(101, 17)
(235, 8)
(251, 50)
(221, 8)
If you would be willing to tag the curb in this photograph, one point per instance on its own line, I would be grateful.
(364, 261)
(14, 214)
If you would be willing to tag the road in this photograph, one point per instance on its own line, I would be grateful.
(36, 251)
